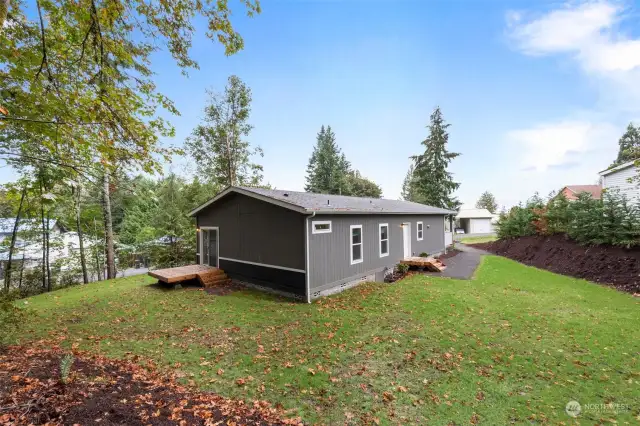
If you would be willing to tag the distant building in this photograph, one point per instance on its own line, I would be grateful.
(624, 179)
(476, 221)
(28, 246)
(571, 192)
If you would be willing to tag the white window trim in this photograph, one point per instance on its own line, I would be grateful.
(419, 231)
(351, 244)
(321, 231)
(380, 240)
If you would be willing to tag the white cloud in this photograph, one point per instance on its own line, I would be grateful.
(588, 31)
(559, 144)
(590, 35)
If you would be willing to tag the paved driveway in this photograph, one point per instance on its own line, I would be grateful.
(463, 265)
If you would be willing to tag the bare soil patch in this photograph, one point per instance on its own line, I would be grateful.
(613, 266)
(110, 392)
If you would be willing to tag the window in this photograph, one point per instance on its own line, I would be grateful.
(321, 227)
(384, 239)
(419, 231)
(356, 244)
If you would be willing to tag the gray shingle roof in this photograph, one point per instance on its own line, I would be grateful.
(325, 203)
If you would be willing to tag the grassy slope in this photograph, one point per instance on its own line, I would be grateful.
(516, 343)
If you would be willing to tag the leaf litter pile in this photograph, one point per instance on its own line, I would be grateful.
(103, 391)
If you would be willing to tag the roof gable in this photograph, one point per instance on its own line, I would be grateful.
(307, 203)
(594, 190)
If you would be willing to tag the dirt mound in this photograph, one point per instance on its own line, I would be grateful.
(613, 266)
(111, 392)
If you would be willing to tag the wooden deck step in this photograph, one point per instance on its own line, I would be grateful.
(213, 278)
(430, 263)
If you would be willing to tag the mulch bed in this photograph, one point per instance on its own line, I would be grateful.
(613, 266)
(448, 254)
(111, 392)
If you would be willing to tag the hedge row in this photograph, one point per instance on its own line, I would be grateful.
(613, 219)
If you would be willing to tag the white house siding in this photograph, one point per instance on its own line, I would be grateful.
(620, 180)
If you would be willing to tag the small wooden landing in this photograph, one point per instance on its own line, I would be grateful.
(181, 273)
(213, 278)
(430, 263)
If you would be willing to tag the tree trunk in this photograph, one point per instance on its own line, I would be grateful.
(44, 240)
(21, 271)
(49, 287)
(229, 163)
(7, 277)
(83, 262)
(108, 228)
(99, 266)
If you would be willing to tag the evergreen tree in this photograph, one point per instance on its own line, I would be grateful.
(487, 201)
(408, 188)
(433, 184)
(218, 144)
(629, 145)
(328, 168)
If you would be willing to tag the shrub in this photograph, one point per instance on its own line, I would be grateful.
(610, 220)
(424, 254)
(402, 268)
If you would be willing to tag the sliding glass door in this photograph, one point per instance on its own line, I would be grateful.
(210, 247)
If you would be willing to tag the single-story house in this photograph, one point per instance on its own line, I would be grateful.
(571, 192)
(475, 221)
(623, 178)
(309, 245)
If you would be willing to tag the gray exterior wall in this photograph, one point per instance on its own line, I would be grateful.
(255, 231)
(329, 254)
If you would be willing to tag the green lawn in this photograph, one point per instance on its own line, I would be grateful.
(514, 345)
(478, 240)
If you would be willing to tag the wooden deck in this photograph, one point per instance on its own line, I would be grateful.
(182, 273)
(430, 263)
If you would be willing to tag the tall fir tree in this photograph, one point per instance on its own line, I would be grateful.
(432, 184)
(629, 146)
(328, 168)
(487, 201)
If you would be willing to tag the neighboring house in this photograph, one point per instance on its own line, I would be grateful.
(62, 244)
(476, 221)
(624, 179)
(27, 226)
(571, 192)
(309, 245)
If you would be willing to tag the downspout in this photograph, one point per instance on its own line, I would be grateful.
(306, 238)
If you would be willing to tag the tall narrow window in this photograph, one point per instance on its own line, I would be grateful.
(356, 244)
(419, 231)
(384, 239)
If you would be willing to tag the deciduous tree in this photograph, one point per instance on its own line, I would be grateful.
(487, 201)
(219, 144)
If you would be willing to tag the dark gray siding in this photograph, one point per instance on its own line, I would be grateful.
(329, 254)
(255, 231)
